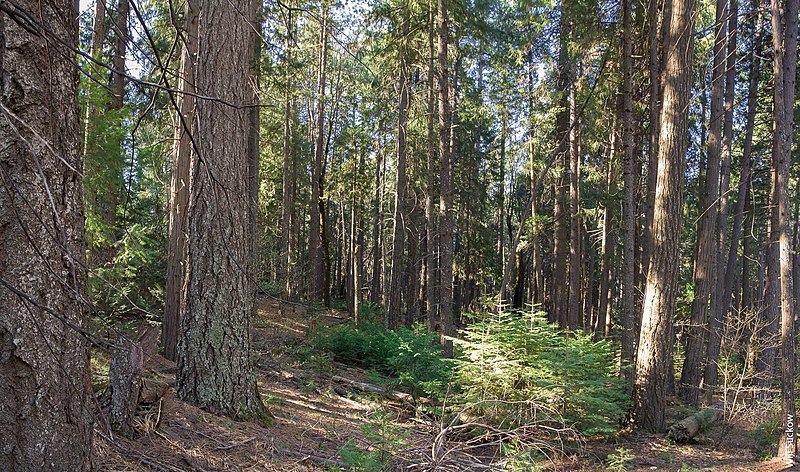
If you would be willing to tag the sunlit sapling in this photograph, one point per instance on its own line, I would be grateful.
(517, 368)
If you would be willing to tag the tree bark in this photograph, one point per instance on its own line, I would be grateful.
(686, 429)
(658, 16)
(45, 382)
(315, 236)
(377, 223)
(575, 304)
(655, 346)
(705, 263)
(431, 240)
(560, 212)
(446, 176)
(726, 278)
(215, 370)
(177, 244)
(607, 246)
(288, 215)
(629, 205)
(784, 45)
(395, 307)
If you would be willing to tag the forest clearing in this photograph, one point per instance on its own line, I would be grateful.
(322, 407)
(380, 235)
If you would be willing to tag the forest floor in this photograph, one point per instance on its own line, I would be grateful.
(325, 418)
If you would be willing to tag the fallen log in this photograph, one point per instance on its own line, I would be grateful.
(370, 388)
(686, 429)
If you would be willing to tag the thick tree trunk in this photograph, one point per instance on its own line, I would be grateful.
(628, 204)
(431, 240)
(177, 244)
(215, 370)
(784, 45)
(658, 17)
(606, 246)
(315, 236)
(560, 211)
(705, 263)
(44, 357)
(394, 310)
(446, 176)
(725, 280)
(575, 305)
(288, 216)
(655, 341)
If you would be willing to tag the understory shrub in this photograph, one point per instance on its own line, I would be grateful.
(412, 355)
(516, 370)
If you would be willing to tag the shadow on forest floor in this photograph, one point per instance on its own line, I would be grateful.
(322, 422)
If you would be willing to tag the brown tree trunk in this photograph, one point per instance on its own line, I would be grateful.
(726, 277)
(560, 212)
(177, 244)
(784, 45)
(377, 223)
(446, 176)
(655, 341)
(705, 263)
(431, 240)
(575, 305)
(628, 204)
(315, 236)
(45, 383)
(288, 216)
(394, 309)
(219, 293)
(501, 194)
(606, 245)
(658, 17)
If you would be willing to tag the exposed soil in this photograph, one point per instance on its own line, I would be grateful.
(318, 411)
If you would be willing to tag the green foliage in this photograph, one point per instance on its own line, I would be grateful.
(411, 355)
(620, 461)
(766, 436)
(135, 279)
(385, 440)
(517, 369)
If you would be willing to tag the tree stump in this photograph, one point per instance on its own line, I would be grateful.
(125, 382)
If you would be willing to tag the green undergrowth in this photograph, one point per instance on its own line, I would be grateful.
(409, 357)
(511, 370)
(517, 369)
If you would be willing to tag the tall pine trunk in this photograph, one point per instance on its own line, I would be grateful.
(395, 306)
(560, 210)
(727, 272)
(315, 236)
(215, 369)
(784, 45)
(45, 383)
(179, 189)
(288, 214)
(706, 260)
(446, 184)
(655, 340)
(628, 204)
(574, 292)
